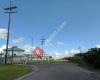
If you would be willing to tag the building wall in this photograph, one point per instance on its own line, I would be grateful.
(2, 60)
(18, 57)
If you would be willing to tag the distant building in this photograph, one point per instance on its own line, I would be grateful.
(15, 55)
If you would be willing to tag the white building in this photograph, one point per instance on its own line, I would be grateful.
(15, 55)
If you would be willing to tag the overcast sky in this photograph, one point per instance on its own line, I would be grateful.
(65, 24)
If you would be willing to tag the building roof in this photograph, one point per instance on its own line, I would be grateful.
(15, 48)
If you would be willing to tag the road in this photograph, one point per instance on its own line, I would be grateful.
(68, 71)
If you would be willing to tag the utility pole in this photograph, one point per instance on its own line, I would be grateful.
(80, 49)
(42, 43)
(9, 10)
(32, 49)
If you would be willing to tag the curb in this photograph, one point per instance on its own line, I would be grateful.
(34, 70)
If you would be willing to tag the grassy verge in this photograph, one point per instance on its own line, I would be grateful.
(11, 72)
(47, 61)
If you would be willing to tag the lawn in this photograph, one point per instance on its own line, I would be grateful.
(11, 72)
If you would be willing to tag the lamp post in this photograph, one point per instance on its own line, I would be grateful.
(9, 10)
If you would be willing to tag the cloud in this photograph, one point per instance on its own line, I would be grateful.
(28, 48)
(3, 33)
(71, 52)
(17, 40)
(57, 55)
(62, 54)
(66, 53)
(75, 51)
(98, 46)
(60, 43)
(2, 47)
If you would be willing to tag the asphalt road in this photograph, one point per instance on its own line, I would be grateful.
(66, 71)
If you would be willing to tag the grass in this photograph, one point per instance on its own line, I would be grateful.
(11, 72)
(46, 61)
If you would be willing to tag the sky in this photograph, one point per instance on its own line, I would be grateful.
(65, 24)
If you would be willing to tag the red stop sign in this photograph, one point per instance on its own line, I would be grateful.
(38, 52)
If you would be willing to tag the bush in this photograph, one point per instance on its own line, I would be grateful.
(77, 59)
(92, 56)
(97, 62)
